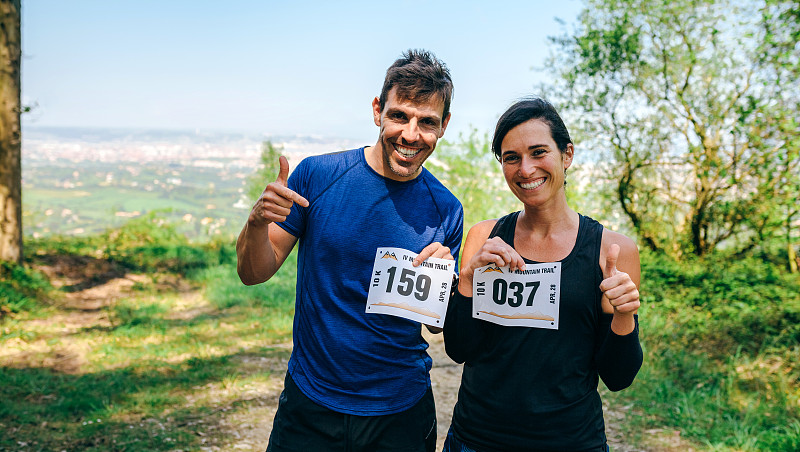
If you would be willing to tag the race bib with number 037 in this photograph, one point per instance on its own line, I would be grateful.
(529, 297)
(416, 293)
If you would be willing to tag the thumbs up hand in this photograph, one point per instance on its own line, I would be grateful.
(277, 199)
(617, 286)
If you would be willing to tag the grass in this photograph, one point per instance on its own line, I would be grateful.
(21, 288)
(186, 353)
(161, 369)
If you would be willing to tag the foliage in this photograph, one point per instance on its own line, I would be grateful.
(697, 125)
(267, 170)
(468, 168)
(148, 243)
(21, 288)
(721, 352)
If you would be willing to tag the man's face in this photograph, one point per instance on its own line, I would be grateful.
(409, 132)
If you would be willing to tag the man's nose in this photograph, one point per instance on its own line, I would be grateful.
(411, 131)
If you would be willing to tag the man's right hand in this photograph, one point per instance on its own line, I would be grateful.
(277, 199)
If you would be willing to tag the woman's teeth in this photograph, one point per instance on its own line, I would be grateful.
(532, 185)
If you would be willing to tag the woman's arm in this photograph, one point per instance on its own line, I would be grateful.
(620, 355)
(619, 259)
(463, 334)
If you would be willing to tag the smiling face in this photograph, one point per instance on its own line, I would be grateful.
(533, 165)
(409, 130)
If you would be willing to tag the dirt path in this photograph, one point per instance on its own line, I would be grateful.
(246, 424)
(250, 430)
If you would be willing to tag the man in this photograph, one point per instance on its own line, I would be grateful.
(358, 381)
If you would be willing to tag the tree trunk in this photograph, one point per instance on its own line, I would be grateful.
(10, 144)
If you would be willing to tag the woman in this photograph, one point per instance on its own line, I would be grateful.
(535, 388)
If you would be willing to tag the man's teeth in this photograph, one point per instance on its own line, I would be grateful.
(407, 153)
(532, 185)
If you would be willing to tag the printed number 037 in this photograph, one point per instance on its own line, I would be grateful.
(407, 283)
(501, 288)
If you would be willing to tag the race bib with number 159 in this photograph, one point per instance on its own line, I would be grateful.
(416, 293)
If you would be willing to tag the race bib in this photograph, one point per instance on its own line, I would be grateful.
(529, 297)
(416, 293)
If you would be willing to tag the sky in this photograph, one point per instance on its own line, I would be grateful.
(273, 67)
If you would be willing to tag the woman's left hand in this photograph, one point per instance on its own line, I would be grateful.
(617, 286)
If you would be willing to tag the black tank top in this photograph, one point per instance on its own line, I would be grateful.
(536, 389)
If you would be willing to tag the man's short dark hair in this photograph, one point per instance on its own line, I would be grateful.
(418, 75)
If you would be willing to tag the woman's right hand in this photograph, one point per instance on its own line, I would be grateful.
(492, 251)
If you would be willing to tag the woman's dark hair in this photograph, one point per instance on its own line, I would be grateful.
(523, 111)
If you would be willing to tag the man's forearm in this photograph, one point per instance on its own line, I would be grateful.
(256, 260)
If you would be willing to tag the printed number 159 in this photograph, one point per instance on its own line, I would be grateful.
(407, 283)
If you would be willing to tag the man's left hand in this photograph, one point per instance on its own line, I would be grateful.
(435, 249)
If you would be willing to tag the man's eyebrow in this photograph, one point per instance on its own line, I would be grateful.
(537, 146)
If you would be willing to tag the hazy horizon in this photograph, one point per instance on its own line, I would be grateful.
(303, 68)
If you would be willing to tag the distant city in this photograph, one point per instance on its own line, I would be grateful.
(82, 180)
(144, 145)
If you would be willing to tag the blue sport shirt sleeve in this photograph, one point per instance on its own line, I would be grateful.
(295, 223)
(454, 241)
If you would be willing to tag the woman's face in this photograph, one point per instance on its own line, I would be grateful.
(533, 165)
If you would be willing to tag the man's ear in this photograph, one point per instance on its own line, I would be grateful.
(444, 125)
(376, 111)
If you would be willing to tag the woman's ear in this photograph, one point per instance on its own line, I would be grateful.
(567, 156)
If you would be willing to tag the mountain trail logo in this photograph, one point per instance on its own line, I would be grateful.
(493, 269)
(389, 255)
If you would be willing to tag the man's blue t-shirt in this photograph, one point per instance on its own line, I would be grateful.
(343, 358)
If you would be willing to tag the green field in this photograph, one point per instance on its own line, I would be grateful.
(88, 197)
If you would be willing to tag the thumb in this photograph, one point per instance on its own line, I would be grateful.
(611, 261)
(283, 174)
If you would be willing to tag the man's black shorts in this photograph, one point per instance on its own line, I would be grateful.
(301, 425)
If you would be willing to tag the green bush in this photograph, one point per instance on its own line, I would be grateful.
(151, 243)
(147, 244)
(725, 304)
(21, 288)
(722, 360)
